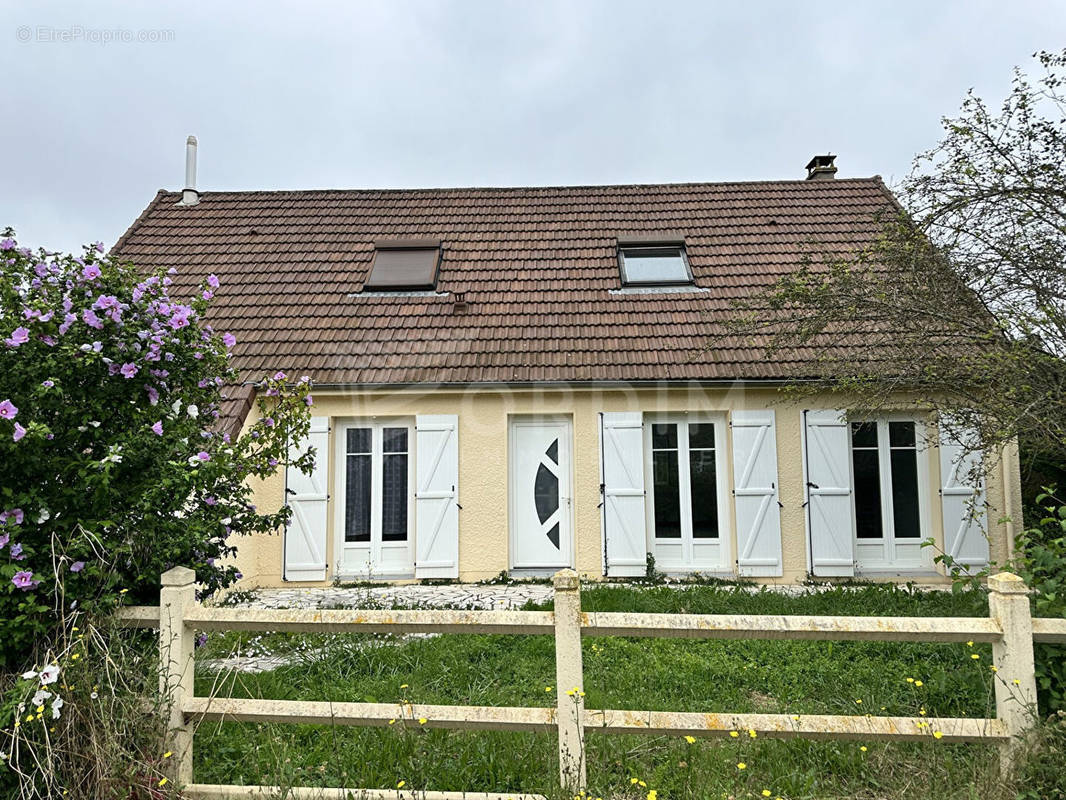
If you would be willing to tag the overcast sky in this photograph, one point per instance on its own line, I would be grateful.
(404, 94)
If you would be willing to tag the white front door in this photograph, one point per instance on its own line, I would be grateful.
(374, 525)
(540, 494)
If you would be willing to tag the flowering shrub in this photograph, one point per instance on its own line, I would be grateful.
(112, 467)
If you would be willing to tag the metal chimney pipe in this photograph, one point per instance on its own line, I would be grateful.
(189, 195)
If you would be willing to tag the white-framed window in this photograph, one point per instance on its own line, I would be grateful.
(654, 265)
(685, 461)
(375, 509)
(890, 476)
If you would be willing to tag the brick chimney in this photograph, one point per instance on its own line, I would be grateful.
(821, 168)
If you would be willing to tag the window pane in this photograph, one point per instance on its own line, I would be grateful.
(394, 498)
(394, 440)
(701, 434)
(357, 498)
(867, 494)
(663, 435)
(901, 434)
(654, 265)
(667, 495)
(905, 493)
(359, 440)
(704, 489)
(864, 434)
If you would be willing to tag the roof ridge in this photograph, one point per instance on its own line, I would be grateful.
(874, 179)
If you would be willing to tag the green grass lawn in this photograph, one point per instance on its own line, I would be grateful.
(653, 674)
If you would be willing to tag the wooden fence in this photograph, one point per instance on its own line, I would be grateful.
(1009, 628)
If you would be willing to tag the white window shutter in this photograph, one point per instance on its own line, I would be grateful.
(962, 502)
(830, 516)
(625, 544)
(305, 536)
(755, 493)
(437, 496)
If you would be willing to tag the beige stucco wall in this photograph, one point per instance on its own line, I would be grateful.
(483, 468)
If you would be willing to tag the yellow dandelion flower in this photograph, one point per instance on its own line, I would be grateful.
(403, 685)
(162, 781)
(690, 739)
(633, 781)
(392, 722)
(734, 734)
(1016, 682)
(937, 735)
(653, 795)
(422, 721)
(75, 657)
(742, 765)
(168, 754)
(547, 688)
(975, 656)
(401, 784)
(969, 644)
(766, 792)
(643, 784)
(910, 680)
(919, 683)
(863, 749)
(752, 734)
(993, 667)
(123, 591)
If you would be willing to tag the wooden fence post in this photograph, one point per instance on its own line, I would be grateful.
(176, 668)
(1015, 677)
(569, 680)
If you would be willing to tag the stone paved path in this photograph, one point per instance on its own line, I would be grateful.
(461, 595)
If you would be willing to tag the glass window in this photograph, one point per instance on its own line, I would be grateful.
(357, 485)
(666, 485)
(654, 265)
(867, 469)
(904, 460)
(703, 484)
(369, 450)
(394, 485)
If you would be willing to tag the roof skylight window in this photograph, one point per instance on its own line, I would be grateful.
(662, 264)
(404, 265)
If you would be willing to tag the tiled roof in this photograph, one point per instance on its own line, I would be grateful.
(537, 266)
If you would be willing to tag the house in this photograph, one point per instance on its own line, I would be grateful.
(523, 379)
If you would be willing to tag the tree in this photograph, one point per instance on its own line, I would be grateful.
(112, 464)
(961, 302)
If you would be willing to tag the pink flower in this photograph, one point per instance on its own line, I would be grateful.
(48, 384)
(15, 514)
(88, 316)
(153, 395)
(77, 566)
(90, 272)
(8, 410)
(19, 432)
(4, 539)
(20, 335)
(279, 375)
(212, 281)
(24, 581)
(309, 400)
(208, 294)
(16, 551)
(229, 339)
(7, 244)
(128, 370)
(203, 455)
(157, 428)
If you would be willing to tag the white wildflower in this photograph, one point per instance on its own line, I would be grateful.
(49, 674)
(56, 705)
(40, 697)
(192, 410)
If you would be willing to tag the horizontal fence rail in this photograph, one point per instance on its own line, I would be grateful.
(1009, 628)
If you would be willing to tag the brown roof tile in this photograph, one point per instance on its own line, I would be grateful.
(537, 266)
